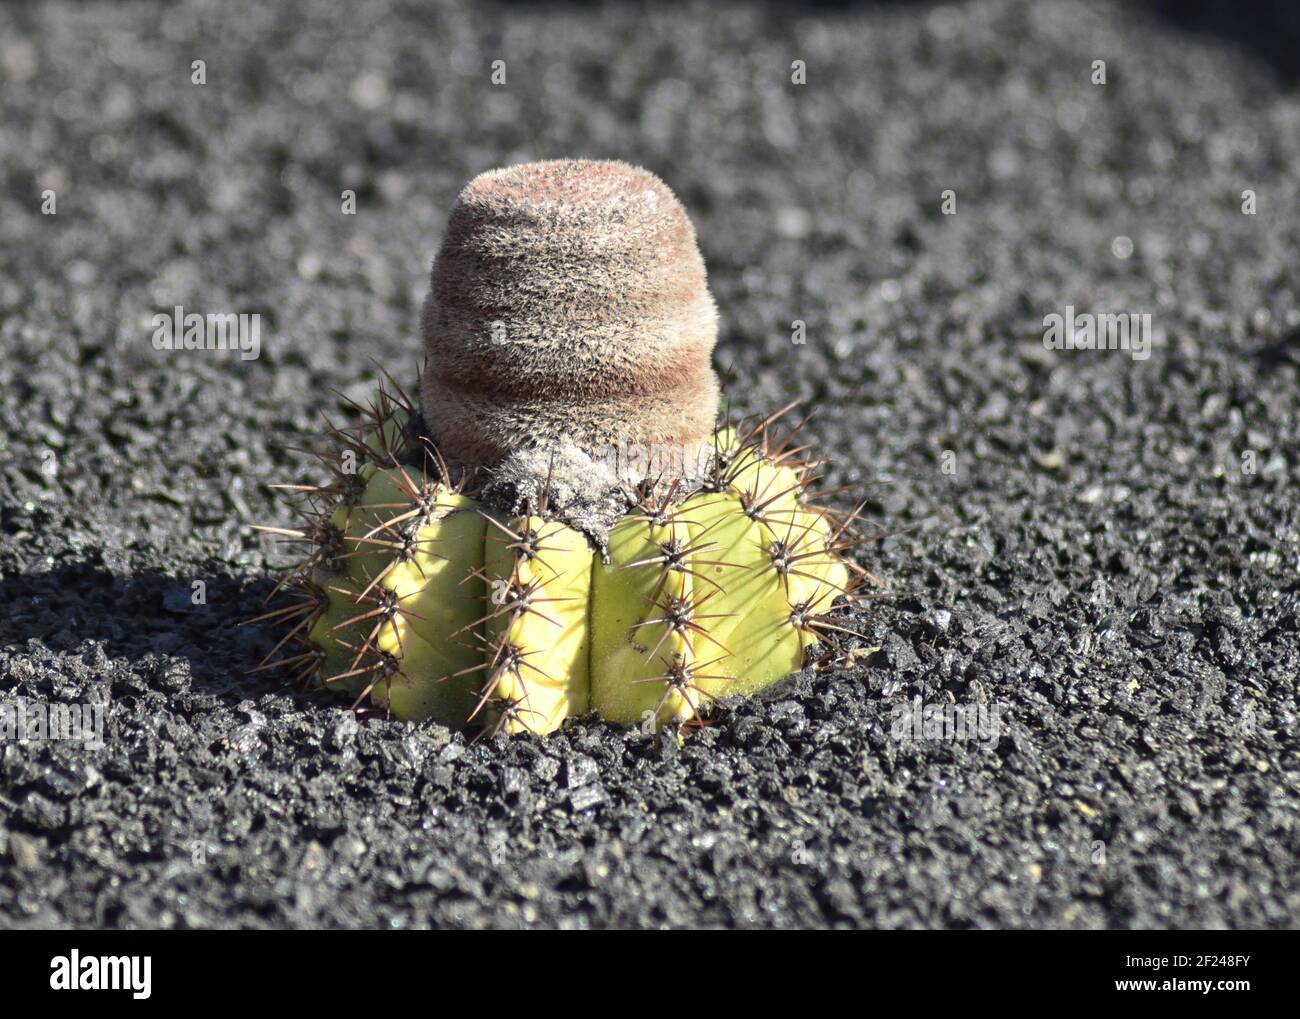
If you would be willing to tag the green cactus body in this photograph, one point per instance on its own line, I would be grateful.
(432, 606)
(536, 647)
(401, 594)
(701, 600)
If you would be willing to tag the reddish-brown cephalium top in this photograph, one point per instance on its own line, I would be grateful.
(569, 308)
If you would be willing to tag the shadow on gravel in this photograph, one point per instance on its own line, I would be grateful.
(1268, 30)
(196, 618)
(1284, 349)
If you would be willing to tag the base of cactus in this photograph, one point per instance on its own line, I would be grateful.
(429, 603)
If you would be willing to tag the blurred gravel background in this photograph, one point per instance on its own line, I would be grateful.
(1103, 567)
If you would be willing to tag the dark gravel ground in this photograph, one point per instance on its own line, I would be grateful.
(1103, 568)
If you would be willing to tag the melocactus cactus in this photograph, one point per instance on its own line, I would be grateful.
(563, 526)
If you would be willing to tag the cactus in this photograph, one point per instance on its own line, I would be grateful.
(560, 527)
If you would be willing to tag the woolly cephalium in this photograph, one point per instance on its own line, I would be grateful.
(562, 527)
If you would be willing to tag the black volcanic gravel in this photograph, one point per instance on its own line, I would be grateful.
(1095, 561)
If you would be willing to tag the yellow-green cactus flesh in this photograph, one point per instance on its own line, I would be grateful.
(435, 607)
